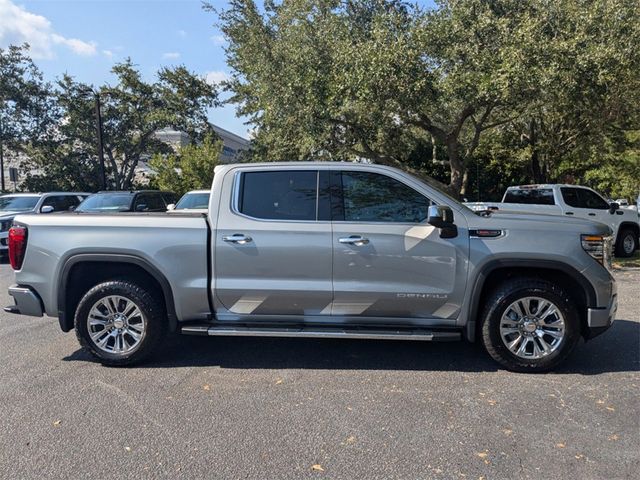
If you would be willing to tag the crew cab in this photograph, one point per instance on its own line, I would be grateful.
(331, 250)
(574, 201)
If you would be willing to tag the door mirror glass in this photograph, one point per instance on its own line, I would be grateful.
(46, 209)
(613, 206)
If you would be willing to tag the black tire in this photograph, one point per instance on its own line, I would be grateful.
(629, 236)
(500, 300)
(150, 306)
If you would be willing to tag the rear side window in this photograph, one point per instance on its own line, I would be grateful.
(279, 195)
(371, 197)
(530, 196)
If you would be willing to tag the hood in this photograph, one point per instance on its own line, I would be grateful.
(10, 214)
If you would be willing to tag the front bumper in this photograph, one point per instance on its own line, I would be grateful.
(600, 319)
(26, 301)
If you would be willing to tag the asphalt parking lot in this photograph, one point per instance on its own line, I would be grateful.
(287, 408)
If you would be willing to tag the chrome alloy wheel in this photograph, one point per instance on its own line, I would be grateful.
(116, 325)
(532, 327)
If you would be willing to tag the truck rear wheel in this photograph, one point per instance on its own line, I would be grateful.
(627, 243)
(120, 323)
(529, 325)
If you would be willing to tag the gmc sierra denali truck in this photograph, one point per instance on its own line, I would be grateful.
(335, 250)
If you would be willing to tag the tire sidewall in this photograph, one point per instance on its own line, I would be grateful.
(625, 234)
(493, 318)
(154, 329)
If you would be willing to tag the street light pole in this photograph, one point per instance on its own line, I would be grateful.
(100, 146)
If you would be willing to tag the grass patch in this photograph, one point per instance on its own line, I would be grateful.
(631, 262)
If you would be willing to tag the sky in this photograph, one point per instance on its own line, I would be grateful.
(84, 38)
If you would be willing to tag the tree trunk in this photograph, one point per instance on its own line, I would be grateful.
(456, 167)
(536, 171)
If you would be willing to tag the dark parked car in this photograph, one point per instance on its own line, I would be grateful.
(128, 201)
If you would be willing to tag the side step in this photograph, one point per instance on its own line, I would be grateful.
(316, 332)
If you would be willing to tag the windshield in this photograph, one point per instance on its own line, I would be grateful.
(111, 202)
(17, 203)
(193, 200)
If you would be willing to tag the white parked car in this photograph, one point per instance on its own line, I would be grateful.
(193, 201)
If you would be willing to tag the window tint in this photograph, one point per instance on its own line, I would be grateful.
(570, 197)
(281, 195)
(370, 197)
(530, 196)
(591, 199)
(583, 198)
(152, 202)
(61, 203)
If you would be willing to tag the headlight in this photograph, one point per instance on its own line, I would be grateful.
(599, 247)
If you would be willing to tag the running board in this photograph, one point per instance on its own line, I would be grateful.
(311, 332)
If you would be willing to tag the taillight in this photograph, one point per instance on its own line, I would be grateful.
(17, 246)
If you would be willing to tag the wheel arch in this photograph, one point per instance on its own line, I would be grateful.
(635, 227)
(79, 275)
(496, 271)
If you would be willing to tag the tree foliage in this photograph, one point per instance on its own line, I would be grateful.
(133, 110)
(190, 169)
(539, 81)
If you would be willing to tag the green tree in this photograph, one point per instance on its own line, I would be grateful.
(133, 110)
(190, 169)
(375, 78)
(27, 111)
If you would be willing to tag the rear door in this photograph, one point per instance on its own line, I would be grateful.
(388, 262)
(272, 251)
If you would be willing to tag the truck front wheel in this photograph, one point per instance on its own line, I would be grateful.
(119, 322)
(529, 325)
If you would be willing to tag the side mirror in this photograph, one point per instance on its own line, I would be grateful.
(441, 216)
(613, 206)
(46, 209)
(171, 206)
(72, 208)
(141, 207)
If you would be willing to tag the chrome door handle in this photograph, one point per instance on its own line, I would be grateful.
(238, 238)
(356, 240)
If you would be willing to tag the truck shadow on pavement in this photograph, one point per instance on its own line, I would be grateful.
(617, 350)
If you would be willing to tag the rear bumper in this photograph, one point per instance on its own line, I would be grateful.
(26, 301)
(600, 319)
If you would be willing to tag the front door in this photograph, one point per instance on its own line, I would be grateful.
(388, 262)
(272, 254)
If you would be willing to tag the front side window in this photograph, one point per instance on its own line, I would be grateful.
(279, 195)
(61, 203)
(371, 197)
(591, 199)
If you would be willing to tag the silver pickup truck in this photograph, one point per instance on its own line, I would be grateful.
(333, 250)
